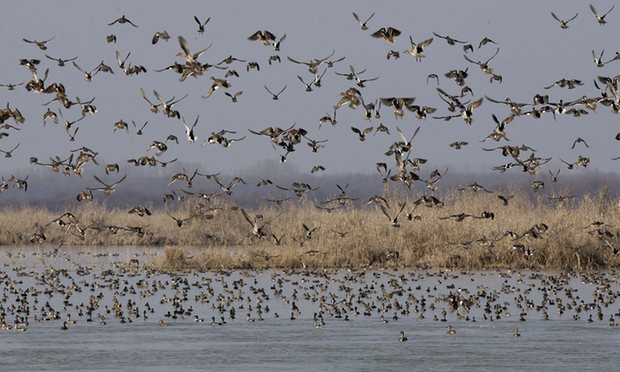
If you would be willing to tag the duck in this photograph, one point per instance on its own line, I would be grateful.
(122, 125)
(182, 176)
(188, 56)
(257, 229)
(598, 60)
(313, 65)
(563, 23)
(451, 331)
(180, 221)
(9, 153)
(601, 18)
(275, 96)
(122, 20)
(41, 44)
(307, 86)
(88, 76)
(393, 220)
(201, 25)
(265, 37)
(484, 66)
(140, 211)
(450, 40)
(417, 49)
(234, 97)
(139, 130)
(387, 33)
(12, 86)
(217, 84)
(61, 62)
(112, 167)
(362, 132)
(189, 131)
(276, 44)
(108, 189)
(468, 111)
(160, 35)
(167, 106)
(363, 25)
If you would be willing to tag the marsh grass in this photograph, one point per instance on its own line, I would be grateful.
(349, 237)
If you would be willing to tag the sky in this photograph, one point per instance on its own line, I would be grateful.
(533, 53)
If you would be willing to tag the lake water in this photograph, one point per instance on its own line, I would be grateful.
(374, 302)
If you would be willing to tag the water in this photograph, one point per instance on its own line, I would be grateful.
(363, 343)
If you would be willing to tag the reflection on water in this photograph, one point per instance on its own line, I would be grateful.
(241, 331)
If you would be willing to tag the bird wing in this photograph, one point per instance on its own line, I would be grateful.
(119, 181)
(184, 46)
(385, 212)
(426, 42)
(247, 217)
(593, 9)
(100, 181)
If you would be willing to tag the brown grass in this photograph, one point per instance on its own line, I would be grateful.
(225, 240)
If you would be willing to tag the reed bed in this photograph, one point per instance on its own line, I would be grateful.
(351, 236)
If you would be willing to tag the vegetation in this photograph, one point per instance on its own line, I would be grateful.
(570, 234)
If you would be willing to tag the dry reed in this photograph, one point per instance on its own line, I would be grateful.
(349, 237)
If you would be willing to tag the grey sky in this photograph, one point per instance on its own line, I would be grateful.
(534, 52)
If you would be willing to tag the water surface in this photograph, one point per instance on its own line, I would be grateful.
(364, 342)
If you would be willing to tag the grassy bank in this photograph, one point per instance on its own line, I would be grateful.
(574, 234)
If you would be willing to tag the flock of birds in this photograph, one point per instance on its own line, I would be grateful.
(84, 295)
(33, 293)
(402, 169)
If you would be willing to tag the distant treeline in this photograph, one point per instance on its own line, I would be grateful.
(146, 186)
